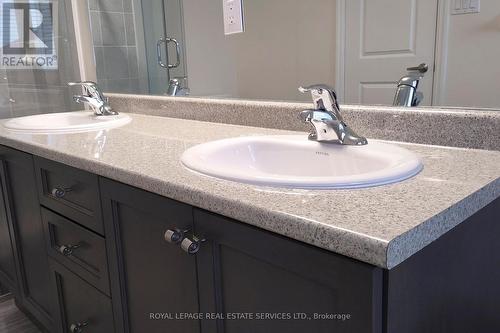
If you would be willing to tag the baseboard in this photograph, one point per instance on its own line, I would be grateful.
(5, 297)
(33, 319)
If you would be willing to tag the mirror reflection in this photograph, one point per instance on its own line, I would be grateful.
(384, 52)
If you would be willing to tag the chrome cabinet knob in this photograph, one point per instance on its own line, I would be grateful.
(175, 236)
(78, 327)
(60, 192)
(67, 250)
(191, 246)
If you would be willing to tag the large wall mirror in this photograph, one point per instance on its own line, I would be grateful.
(361, 47)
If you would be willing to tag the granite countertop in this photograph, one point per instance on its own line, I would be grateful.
(382, 226)
(456, 127)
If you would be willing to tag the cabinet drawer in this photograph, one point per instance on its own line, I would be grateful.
(70, 192)
(81, 250)
(80, 304)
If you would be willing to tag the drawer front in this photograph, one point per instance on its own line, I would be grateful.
(82, 308)
(79, 249)
(70, 192)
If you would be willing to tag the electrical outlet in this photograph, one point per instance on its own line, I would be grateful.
(466, 7)
(233, 16)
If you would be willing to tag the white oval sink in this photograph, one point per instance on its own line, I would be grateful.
(66, 122)
(296, 162)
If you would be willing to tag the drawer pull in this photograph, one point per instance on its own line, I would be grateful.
(192, 246)
(59, 192)
(67, 250)
(175, 236)
(78, 327)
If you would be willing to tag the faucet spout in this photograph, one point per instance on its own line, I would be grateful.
(94, 98)
(82, 99)
(326, 121)
(326, 128)
(406, 92)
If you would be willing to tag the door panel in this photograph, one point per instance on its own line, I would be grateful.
(383, 38)
(148, 275)
(37, 292)
(242, 269)
(395, 37)
(377, 92)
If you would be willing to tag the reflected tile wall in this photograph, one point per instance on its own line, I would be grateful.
(113, 34)
(33, 91)
(5, 109)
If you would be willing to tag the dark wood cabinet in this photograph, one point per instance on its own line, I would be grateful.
(36, 289)
(242, 269)
(150, 277)
(108, 257)
(452, 285)
(237, 270)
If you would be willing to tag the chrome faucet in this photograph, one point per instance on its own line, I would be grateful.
(93, 97)
(326, 121)
(406, 93)
(178, 87)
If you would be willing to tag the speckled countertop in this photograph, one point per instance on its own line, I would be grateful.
(453, 127)
(382, 226)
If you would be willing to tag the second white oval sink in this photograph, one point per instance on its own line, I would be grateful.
(296, 162)
(66, 122)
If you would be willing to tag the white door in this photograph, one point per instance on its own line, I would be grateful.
(382, 39)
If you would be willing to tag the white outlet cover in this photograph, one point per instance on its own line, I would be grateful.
(233, 16)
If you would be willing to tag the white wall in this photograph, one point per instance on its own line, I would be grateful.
(210, 64)
(473, 70)
(286, 43)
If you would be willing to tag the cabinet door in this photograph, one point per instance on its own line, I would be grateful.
(8, 275)
(151, 280)
(24, 213)
(276, 284)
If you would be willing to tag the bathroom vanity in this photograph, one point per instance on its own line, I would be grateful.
(106, 231)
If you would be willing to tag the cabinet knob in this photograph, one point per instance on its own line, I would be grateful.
(67, 250)
(192, 246)
(78, 327)
(175, 236)
(60, 192)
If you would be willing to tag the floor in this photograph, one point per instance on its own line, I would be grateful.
(12, 320)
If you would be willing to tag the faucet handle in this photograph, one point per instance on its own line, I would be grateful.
(324, 97)
(316, 87)
(91, 88)
(83, 83)
(422, 68)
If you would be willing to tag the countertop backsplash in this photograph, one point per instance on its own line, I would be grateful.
(463, 128)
